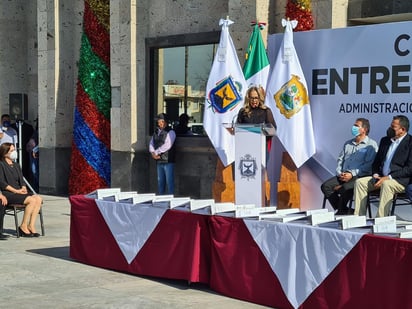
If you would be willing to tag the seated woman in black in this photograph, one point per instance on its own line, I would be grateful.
(13, 187)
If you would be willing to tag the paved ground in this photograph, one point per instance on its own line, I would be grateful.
(38, 273)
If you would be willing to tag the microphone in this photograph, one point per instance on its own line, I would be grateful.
(233, 121)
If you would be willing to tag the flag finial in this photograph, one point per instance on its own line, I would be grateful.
(260, 24)
(288, 38)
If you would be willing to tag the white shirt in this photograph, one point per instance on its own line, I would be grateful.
(9, 136)
(389, 155)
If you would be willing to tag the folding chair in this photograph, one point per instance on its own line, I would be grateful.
(14, 209)
(398, 199)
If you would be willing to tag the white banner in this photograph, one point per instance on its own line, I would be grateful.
(353, 72)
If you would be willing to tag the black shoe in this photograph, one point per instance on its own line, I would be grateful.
(23, 234)
(342, 212)
(35, 234)
(3, 237)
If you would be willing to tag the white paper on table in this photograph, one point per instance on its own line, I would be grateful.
(317, 218)
(197, 204)
(349, 222)
(180, 203)
(223, 207)
(385, 225)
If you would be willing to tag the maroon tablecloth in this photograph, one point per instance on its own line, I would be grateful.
(178, 248)
(219, 251)
(376, 273)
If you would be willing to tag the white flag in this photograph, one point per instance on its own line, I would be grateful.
(225, 91)
(287, 96)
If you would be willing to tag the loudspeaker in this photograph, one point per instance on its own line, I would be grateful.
(18, 106)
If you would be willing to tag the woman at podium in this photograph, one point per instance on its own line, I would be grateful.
(255, 111)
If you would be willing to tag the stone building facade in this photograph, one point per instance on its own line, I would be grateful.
(39, 55)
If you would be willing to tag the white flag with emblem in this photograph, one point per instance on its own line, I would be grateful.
(287, 96)
(225, 91)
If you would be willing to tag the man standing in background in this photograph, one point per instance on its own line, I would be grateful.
(7, 133)
(163, 151)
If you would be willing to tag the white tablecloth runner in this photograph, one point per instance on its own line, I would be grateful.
(301, 256)
(131, 225)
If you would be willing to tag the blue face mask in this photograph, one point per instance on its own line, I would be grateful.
(355, 131)
(6, 124)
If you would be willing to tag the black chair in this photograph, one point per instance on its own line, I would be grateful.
(373, 197)
(14, 209)
(398, 199)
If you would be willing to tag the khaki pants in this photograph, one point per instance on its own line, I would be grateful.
(388, 189)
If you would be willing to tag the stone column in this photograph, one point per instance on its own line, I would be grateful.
(59, 27)
(31, 61)
(13, 51)
(126, 114)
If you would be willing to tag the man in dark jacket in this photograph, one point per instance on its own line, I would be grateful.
(391, 169)
(163, 151)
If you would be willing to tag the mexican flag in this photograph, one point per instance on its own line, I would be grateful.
(256, 66)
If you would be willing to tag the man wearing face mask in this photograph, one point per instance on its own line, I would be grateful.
(7, 133)
(391, 169)
(355, 160)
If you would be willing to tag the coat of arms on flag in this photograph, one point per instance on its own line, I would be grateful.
(291, 97)
(288, 98)
(224, 96)
(225, 91)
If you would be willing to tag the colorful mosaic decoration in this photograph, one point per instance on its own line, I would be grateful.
(90, 167)
(300, 10)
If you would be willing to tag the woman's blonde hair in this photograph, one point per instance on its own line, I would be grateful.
(261, 94)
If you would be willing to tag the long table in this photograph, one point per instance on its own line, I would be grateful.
(178, 248)
(221, 252)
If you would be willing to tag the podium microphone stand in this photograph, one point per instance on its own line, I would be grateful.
(19, 124)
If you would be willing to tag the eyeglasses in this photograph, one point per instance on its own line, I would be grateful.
(253, 98)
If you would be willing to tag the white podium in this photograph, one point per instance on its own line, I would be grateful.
(250, 162)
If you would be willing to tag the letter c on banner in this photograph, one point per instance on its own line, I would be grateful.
(397, 42)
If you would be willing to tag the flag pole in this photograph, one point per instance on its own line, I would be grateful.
(225, 91)
(288, 97)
